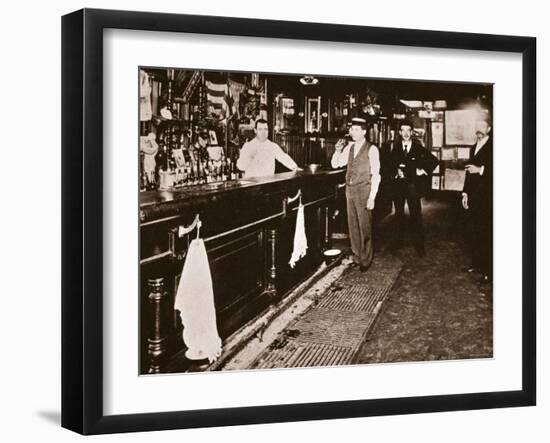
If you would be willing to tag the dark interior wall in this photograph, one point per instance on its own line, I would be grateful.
(390, 91)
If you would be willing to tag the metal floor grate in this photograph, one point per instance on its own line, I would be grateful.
(340, 328)
(331, 332)
(300, 355)
(353, 298)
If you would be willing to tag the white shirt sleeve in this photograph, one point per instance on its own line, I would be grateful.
(340, 158)
(374, 158)
(283, 157)
(244, 159)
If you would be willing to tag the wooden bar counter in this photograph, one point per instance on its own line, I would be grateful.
(248, 228)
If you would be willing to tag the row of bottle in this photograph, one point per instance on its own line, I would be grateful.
(208, 172)
(198, 173)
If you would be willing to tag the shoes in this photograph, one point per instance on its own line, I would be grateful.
(363, 268)
(470, 270)
(421, 252)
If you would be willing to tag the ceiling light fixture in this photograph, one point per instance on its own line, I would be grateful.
(308, 80)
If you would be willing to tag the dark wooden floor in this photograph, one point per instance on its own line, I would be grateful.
(435, 310)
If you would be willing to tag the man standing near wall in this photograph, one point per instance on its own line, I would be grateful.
(362, 180)
(477, 199)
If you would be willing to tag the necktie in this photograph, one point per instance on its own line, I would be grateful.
(351, 155)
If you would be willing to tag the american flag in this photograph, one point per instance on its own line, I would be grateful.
(218, 99)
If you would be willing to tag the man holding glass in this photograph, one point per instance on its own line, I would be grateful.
(362, 180)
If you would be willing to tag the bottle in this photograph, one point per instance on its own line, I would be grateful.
(191, 178)
(202, 176)
(160, 160)
(224, 170)
(150, 180)
(211, 173)
(232, 175)
(185, 177)
(143, 174)
(196, 176)
(236, 170)
(207, 173)
(166, 158)
(199, 173)
(143, 181)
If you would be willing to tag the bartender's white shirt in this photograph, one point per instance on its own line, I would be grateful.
(340, 159)
(257, 158)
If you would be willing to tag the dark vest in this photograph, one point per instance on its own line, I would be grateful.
(359, 172)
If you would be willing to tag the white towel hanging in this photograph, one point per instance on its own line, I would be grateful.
(300, 239)
(195, 301)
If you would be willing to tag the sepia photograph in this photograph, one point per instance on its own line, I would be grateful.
(302, 220)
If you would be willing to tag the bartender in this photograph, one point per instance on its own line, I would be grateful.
(257, 157)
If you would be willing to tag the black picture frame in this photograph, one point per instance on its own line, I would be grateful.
(82, 215)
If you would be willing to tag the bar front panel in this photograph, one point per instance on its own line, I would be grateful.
(248, 232)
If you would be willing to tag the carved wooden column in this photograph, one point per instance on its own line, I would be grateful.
(203, 102)
(327, 234)
(170, 106)
(271, 289)
(160, 313)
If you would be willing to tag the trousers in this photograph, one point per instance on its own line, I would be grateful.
(407, 193)
(360, 224)
(480, 217)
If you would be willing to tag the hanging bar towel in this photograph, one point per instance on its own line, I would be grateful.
(300, 239)
(195, 301)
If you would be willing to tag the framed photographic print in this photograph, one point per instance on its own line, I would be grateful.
(278, 276)
(213, 138)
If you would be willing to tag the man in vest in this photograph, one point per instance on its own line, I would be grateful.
(362, 181)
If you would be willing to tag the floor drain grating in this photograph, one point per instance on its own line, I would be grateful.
(300, 355)
(331, 332)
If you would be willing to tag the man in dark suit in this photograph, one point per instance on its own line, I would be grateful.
(412, 165)
(477, 199)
